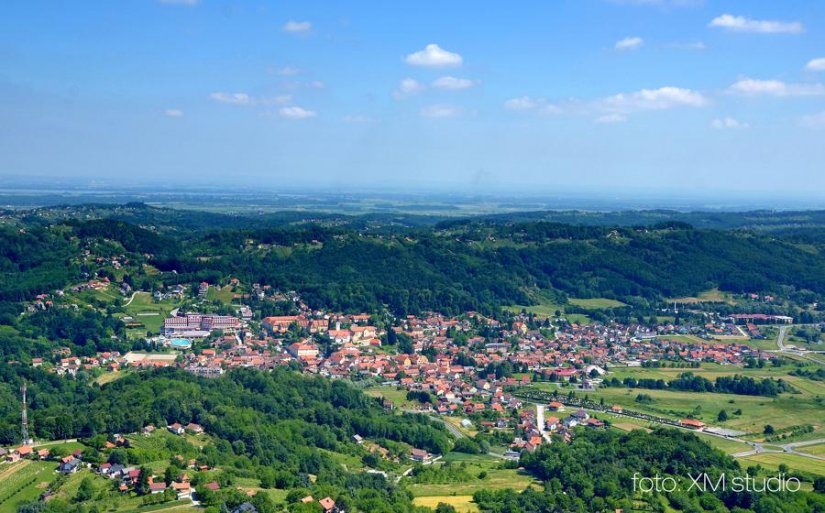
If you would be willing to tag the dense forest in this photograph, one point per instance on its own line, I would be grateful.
(451, 267)
(279, 416)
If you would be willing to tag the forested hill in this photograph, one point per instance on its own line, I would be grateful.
(452, 267)
(182, 221)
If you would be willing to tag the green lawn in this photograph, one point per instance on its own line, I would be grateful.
(222, 294)
(151, 313)
(396, 396)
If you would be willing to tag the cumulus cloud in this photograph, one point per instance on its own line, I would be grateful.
(440, 111)
(610, 119)
(297, 27)
(816, 64)
(453, 83)
(232, 98)
(408, 87)
(655, 99)
(629, 43)
(173, 113)
(435, 57)
(743, 24)
(528, 103)
(814, 120)
(296, 112)
(728, 123)
(753, 87)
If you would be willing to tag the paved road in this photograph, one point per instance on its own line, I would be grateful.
(780, 342)
(38, 443)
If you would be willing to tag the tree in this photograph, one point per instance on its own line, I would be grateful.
(723, 416)
(142, 486)
(443, 507)
(769, 430)
(819, 484)
(86, 490)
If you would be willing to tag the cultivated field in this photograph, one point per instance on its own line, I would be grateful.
(23, 482)
(461, 503)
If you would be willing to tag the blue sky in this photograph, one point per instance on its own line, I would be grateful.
(653, 95)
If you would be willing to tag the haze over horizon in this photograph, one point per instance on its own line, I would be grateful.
(685, 97)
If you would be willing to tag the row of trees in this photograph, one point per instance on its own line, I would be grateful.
(687, 381)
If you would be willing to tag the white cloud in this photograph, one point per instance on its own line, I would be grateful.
(244, 99)
(281, 99)
(180, 2)
(453, 83)
(232, 98)
(287, 71)
(728, 123)
(629, 43)
(356, 119)
(816, 64)
(173, 113)
(408, 87)
(743, 24)
(297, 27)
(753, 87)
(440, 111)
(434, 56)
(610, 119)
(654, 99)
(296, 112)
(695, 45)
(814, 120)
(528, 103)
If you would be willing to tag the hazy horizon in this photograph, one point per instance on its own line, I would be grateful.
(691, 99)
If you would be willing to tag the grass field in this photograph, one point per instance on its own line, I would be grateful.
(251, 485)
(772, 461)
(392, 394)
(708, 296)
(151, 313)
(817, 450)
(222, 294)
(596, 303)
(461, 503)
(23, 482)
(784, 411)
(549, 310)
(496, 479)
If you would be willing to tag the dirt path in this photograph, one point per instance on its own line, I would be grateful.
(8, 471)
